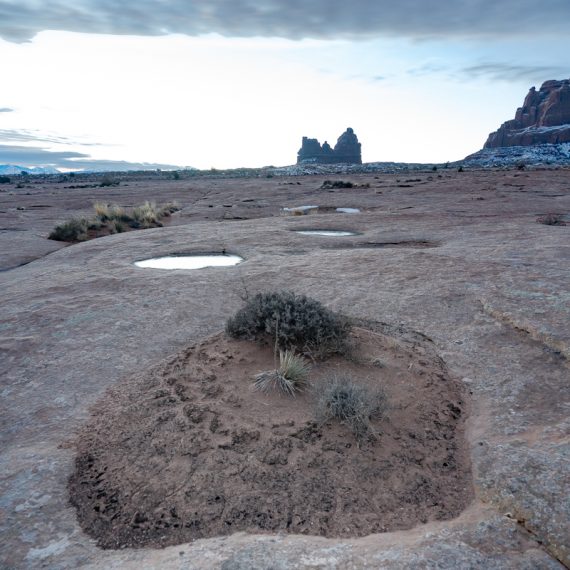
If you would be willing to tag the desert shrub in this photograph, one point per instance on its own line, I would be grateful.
(167, 209)
(551, 220)
(331, 184)
(294, 322)
(101, 211)
(72, 230)
(146, 215)
(5, 180)
(116, 227)
(289, 378)
(95, 224)
(341, 399)
(109, 181)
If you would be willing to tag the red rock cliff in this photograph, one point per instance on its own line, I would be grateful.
(543, 118)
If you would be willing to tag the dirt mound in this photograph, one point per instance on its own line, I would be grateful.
(187, 450)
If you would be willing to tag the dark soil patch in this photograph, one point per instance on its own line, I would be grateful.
(187, 450)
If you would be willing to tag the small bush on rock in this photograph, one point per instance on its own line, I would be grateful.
(551, 220)
(294, 322)
(355, 406)
(73, 230)
(332, 184)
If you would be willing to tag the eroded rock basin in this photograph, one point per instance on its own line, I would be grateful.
(190, 261)
(326, 233)
(188, 450)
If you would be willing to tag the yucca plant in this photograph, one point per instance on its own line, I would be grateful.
(289, 377)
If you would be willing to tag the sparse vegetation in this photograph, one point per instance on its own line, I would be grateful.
(289, 378)
(551, 220)
(353, 405)
(146, 215)
(109, 181)
(72, 230)
(113, 219)
(294, 322)
(5, 180)
(334, 184)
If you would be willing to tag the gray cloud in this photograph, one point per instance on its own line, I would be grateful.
(10, 136)
(26, 156)
(515, 72)
(22, 135)
(22, 19)
(6, 110)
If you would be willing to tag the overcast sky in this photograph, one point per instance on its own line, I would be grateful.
(232, 83)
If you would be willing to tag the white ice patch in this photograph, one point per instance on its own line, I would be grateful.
(190, 261)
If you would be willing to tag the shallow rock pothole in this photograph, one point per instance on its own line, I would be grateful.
(191, 261)
(187, 450)
(326, 233)
(417, 244)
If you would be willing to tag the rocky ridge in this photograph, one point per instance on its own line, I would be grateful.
(544, 118)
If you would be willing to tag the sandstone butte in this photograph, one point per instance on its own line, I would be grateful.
(346, 151)
(544, 118)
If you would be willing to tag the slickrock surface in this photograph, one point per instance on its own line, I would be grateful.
(459, 260)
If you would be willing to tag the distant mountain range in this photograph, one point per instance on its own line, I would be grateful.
(15, 169)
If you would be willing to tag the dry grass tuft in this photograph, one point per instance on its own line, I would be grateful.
(341, 399)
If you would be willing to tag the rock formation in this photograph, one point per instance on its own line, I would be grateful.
(347, 150)
(544, 118)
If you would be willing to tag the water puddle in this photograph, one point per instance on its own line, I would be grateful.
(190, 261)
(301, 210)
(330, 233)
(348, 210)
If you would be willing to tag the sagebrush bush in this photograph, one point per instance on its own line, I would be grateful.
(341, 399)
(72, 230)
(551, 220)
(289, 378)
(109, 181)
(331, 184)
(294, 322)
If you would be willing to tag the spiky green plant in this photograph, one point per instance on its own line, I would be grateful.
(289, 378)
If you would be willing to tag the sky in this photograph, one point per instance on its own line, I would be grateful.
(89, 84)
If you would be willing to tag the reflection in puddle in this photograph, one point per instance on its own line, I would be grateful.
(348, 210)
(190, 261)
(337, 233)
